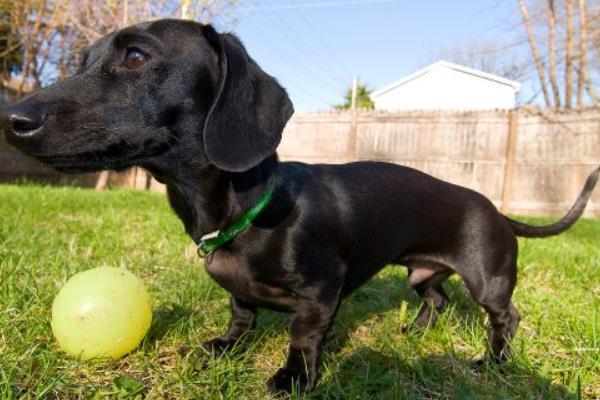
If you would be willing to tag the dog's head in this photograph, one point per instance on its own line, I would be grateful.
(143, 89)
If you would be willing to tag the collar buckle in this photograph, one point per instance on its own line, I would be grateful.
(213, 240)
(204, 248)
(202, 253)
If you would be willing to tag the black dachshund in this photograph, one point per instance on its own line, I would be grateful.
(191, 106)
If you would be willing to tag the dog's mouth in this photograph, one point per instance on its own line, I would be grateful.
(83, 162)
(113, 158)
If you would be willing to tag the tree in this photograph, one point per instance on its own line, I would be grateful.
(582, 77)
(9, 52)
(363, 98)
(552, 54)
(40, 39)
(566, 27)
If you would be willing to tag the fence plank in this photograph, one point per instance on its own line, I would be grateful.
(510, 159)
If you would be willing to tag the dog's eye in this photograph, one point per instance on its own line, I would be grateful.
(134, 59)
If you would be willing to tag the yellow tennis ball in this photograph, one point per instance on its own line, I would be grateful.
(101, 313)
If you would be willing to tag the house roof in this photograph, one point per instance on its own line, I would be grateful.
(446, 64)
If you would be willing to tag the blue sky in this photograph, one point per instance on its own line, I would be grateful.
(315, 50)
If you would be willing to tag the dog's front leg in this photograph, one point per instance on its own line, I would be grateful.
(307, 332)
(243, 319)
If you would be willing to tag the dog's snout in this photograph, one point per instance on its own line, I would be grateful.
(23, 121)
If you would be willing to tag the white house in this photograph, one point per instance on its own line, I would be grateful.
(447, 86)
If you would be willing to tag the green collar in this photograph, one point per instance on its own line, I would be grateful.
(212, 241)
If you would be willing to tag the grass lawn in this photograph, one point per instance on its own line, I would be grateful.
(49, 234)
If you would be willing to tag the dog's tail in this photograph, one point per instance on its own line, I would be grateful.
(565, 222)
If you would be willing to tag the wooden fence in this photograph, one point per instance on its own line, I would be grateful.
(526, 162)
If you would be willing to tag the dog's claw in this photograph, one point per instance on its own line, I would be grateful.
(218, 345)
(488, 361)
(478, 365)
(285, 380)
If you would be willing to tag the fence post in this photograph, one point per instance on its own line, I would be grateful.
(511, 142)
(353, 121)
(102, 182)
(133, 177)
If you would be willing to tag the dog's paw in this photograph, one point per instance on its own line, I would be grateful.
(486, 363)
(218, 345)
(412, 327)
(498, 364)
(417, 326)
(285, 381)
(477, 366)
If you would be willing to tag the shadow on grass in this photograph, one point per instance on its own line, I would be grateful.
(373, 300)
(384, 294)
(164, 319)
(368, 374)
(378, 296)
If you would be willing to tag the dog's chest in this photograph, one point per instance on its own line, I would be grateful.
(234, 274)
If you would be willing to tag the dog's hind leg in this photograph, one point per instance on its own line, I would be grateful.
(494, 295)
(426, 279)
(504, 322)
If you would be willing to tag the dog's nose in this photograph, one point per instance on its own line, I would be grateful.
(23, 121)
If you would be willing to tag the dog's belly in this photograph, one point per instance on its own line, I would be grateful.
(233, 274)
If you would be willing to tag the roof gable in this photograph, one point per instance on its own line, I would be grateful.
(448, 65)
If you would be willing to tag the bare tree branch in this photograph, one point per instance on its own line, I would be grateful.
(582, 73)
(49, 33)
(535, 52)
(552, 53)
(569, 56)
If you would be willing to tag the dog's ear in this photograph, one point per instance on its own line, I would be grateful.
(249, 112)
